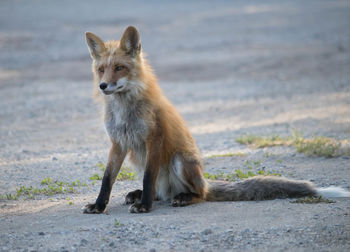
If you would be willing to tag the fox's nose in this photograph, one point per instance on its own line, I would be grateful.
(103, 86)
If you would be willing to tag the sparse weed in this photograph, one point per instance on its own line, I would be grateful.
(318, 146)
(117, 223)
(261, 142)
(53, 188)
(8, 196)
(251, 164)
(269, 154)
(101, 166)
(46, 181)
(238, 174)
(312, 200)
(241, 175)
(96, 176)
(125, 173)
(248, 164)
(238, 154)
(219, 175)
(50, 188)
(257, 163)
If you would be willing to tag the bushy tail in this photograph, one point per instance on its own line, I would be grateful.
(333, 192)
(259, 188)
(267, 188)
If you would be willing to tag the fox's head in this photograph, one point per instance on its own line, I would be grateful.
(117, 65)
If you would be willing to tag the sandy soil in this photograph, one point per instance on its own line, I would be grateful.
(231, 69)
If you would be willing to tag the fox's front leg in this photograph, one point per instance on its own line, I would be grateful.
(115, 159)
(145, 205)
(150, 177)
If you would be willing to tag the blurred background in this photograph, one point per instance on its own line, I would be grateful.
(230, 67)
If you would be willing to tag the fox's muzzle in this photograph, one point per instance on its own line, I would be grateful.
(111, 87)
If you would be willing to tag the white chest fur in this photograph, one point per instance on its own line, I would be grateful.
(125, 125)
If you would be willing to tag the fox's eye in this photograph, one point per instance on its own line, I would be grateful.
(118, 68)
(101, 70)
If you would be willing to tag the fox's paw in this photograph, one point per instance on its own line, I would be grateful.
(139, 208)
(133, 197)
(182, 199)
(93, 209)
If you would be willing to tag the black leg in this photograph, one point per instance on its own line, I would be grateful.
(153, 147)
(147, 195)
(115, 160)
(102, 200)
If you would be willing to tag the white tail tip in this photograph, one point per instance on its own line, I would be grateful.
(333, 192)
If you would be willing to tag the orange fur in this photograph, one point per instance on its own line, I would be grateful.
(177, 137)
(167, 143)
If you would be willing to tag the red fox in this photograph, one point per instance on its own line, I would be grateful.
(140, 121)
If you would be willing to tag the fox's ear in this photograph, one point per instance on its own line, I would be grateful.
(131, 42)
(95, 44)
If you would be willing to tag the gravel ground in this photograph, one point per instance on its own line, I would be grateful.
(230, 69)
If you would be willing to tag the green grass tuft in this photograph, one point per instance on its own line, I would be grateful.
(117, 223)
(126, 173)
(96, 176)
(219, 175)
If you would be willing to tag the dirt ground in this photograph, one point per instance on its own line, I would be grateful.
(231, 68)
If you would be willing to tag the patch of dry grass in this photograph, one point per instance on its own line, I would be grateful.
(317, 146)
(264, 141)
(238, 154)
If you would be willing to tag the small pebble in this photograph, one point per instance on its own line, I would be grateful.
(207, 231)
(83, 242)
